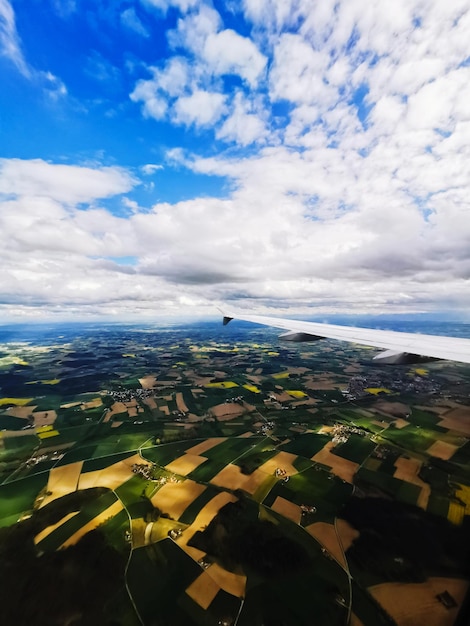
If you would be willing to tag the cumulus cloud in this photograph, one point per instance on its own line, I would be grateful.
(227, 52)
(69, 184)
(353, 193)
(200, 108)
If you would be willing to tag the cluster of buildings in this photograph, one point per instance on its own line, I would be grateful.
(305, 508)
(341, 432)
(127, 395)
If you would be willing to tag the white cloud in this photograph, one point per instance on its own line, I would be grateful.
(244, 126)
(131, 20)
(201, 108)
(164, 5)
(353, 195)
(70, 184)
(151, 168)
(193, 30)
(167, 83)
(227, 52)
(10, 45)
(297, 72)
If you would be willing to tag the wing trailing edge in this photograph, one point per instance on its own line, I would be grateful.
(398, 346)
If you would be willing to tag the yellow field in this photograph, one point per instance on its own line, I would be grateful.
(226, 384)
(62, 480)
(47, 434)
(47, 531)
(252, 388)
(17, 401)
(111, 511)
(296, 393)
(281, 375)
(174, 498)
(200, 448)
(464, 494)
(376, 390)
(456, 513)
(185, 464)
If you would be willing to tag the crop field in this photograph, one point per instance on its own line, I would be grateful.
(90, 510)
(356, 449)
(224, 472)
(18, 497)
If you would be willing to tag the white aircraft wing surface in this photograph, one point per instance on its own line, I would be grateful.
(396, 344)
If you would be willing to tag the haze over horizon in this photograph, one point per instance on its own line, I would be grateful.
(162, 157)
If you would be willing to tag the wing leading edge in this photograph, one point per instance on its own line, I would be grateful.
(396, 344)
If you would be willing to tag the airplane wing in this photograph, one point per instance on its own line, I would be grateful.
(399, 347)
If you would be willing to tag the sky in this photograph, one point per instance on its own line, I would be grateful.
(165, 157)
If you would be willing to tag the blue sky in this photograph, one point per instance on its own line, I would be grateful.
(161, 157)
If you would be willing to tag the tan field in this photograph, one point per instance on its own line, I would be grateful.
(111, 511)
(62, 480)
(20, 411)
(47, 531)
(174, 498)
(92, 404)
(203, 519)
(150, 402)
(138, 526)
(457, 419)
(324, 384)
(346, 533)
(228, 581)
(283, 460)
(117, 407)
(111, 476)
(408, 469)
(247, 434)
(355, 621)
(203, 590)
(202, 447)
(227, 411)
(415, 604)
(325, 534)
(180, 403)
(442, 450)
(231, 477)
(394, 409)
(400, 423)
(341, 467)
(43, 418)
(287, 509)
(325, 430)
(147, 382)
(185, 464)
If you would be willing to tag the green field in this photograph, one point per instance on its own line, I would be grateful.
(355, 449)
(17, 498)
(87, 512)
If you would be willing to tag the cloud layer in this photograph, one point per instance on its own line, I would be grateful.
(343, 130)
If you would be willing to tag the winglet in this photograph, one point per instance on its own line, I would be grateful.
(227, 318)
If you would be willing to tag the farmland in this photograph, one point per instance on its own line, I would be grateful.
(227, 480)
